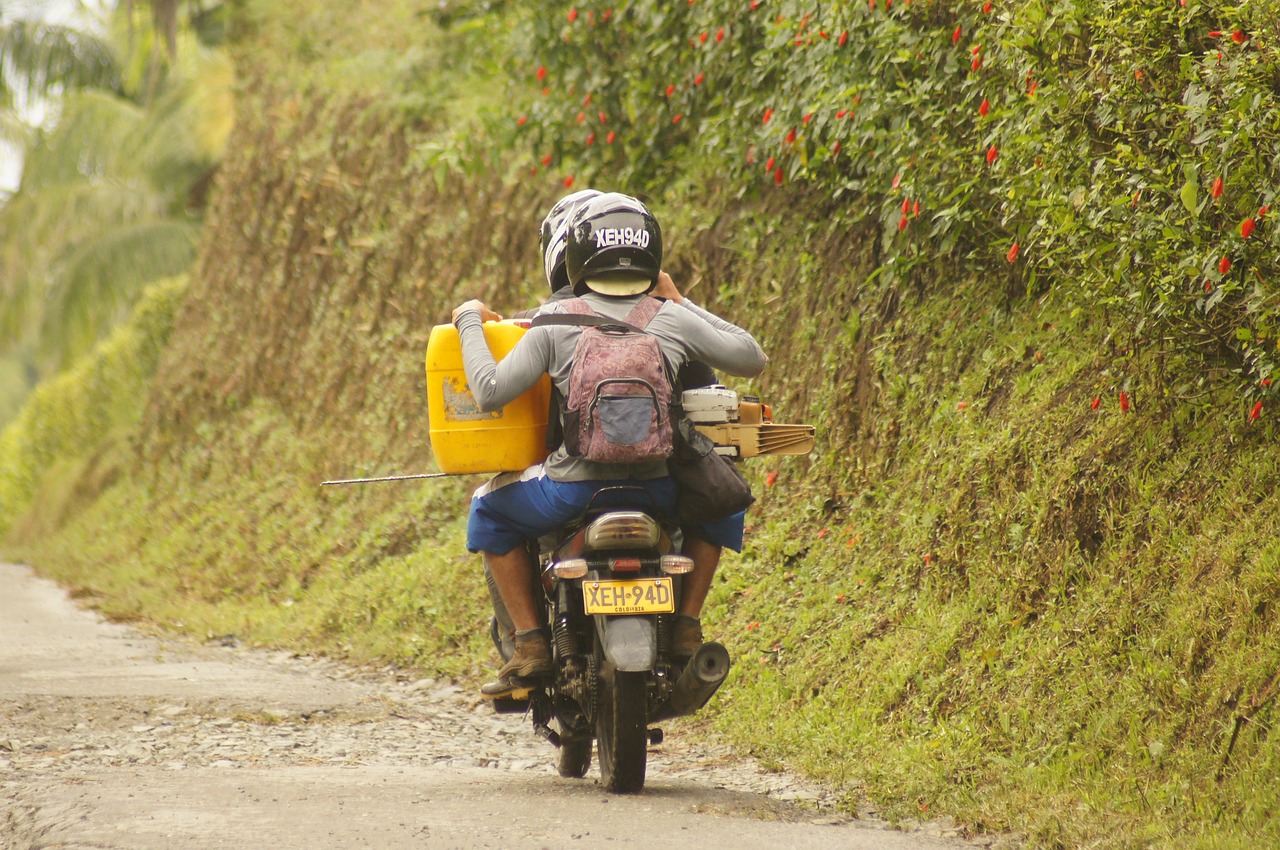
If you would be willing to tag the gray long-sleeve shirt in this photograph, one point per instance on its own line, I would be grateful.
(684, 331)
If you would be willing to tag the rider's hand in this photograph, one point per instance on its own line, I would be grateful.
(666, 288)
(486, 315)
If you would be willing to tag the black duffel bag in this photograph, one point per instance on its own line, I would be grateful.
(710, 487)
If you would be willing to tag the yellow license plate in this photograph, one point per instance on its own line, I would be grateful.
(639, 596)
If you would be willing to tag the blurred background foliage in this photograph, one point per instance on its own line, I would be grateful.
(118, 119)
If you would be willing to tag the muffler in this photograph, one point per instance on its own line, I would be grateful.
(703, 675)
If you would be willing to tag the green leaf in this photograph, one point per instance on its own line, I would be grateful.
(1189, 195)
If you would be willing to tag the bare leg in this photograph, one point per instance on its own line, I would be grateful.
(696, 585)
(513, 573)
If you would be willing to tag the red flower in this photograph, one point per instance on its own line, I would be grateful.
(1216, 191)
(771, 479)
(897, 178)
(1265, 382)
(608, 140)
(671, 89)
(1238, 37)
(986, 8)
(835, 149)
(976, 49)
(902, 223)
(1263, 211)
(573, 15)
(1097, 400)
(676, 118)
(546, 159)
(720, 34)
(1208, 286)
(841, 113)
(1012, 256)
(1256, 412)
(915, 208)
(604, 119)
(1124, 402)
(582, 117)
(1215, 34)
(697, 81)
(541, 73)
(992, 153)
(1031, 89)
(777, 176)
(956, 33)
(906, 204)
(703, 37)
(768, 113)
(791, 136)
(807, 118)
(568, 181)
(768, 166)
(1224, 265)
(755, 4)
(985, 108)
(1246, 228)
(843, 39)
(976, 63)
(586, 101)
(591, 138)
(520, 122)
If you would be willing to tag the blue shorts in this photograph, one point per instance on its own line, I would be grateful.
(506, 515)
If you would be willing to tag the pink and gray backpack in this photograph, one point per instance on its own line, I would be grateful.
(619, 405)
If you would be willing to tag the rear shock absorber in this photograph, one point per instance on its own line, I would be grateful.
(562, 630)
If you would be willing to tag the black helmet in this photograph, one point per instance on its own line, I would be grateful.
(614, 247)
(551, 236)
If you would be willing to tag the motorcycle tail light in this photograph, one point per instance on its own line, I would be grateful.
(571, 568)
(675, 565)
(623, 530)
(624, 565)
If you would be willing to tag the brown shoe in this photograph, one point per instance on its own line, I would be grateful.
(686, 637)
(532, 657)
(504, 689)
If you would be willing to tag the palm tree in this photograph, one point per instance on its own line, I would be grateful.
(103, 204)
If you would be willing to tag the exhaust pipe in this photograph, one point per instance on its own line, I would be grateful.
(703, 675)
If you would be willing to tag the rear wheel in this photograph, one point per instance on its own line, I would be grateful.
(575, 751)
(622, 730)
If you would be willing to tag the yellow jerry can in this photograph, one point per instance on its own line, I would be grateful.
(463, 438)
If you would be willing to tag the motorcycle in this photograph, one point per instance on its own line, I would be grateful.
(610, 582)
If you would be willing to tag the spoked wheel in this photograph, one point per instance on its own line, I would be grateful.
(622, 730)
(575, 751)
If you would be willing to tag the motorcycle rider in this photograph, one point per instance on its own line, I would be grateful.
(515, 508)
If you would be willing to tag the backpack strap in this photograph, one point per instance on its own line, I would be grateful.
(579, 313)
(642, 314)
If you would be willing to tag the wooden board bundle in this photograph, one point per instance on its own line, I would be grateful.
(766, 438)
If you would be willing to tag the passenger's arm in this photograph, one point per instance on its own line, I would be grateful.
(494, 384)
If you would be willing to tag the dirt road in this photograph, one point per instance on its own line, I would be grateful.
(109, 739)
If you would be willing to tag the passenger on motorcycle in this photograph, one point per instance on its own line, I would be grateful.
(515, 508)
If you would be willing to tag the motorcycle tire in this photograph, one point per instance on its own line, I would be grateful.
(622, 734)
(575, 752)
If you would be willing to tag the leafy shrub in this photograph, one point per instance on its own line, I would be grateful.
(1120, 155)
(75, 412)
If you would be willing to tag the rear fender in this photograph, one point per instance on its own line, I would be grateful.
(630, 643)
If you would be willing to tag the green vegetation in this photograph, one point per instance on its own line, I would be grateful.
(113, 182)
(1028, 578)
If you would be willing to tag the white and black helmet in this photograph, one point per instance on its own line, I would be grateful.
(614, 246)
(551, 236)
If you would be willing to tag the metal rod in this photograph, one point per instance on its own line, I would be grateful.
(388, 478)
